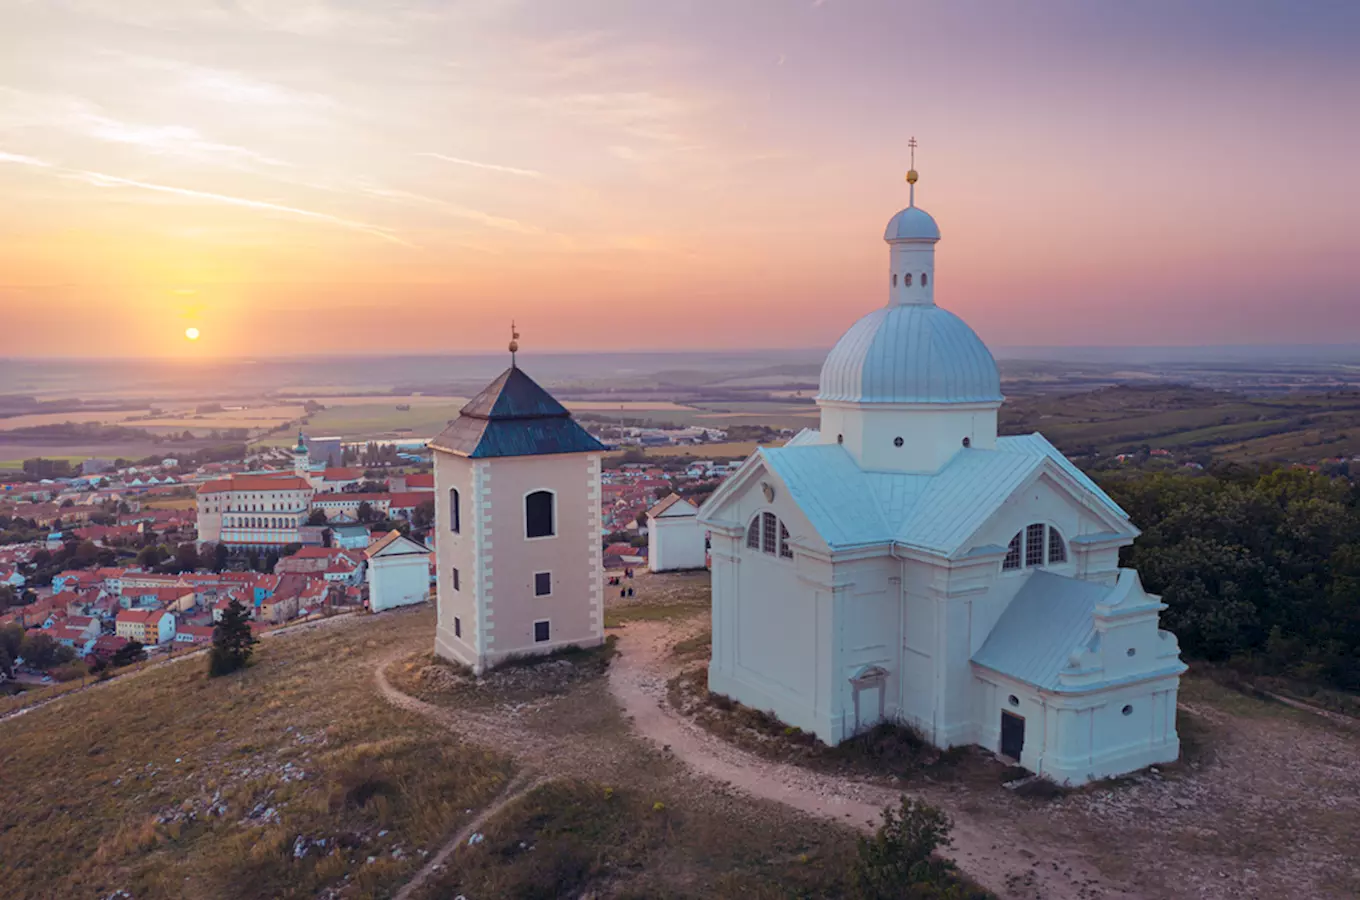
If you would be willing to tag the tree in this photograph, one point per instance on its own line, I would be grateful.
(129, 653)
(365, 512)
(221, 556)
(150, 556)
(41, 652)
(233, 641)
(8, 597)
(423, 517)
(186, 557)
(317, 518)
(901, 853)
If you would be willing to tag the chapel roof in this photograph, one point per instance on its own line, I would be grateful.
(935, 512)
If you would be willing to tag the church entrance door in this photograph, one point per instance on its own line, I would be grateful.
(1012, 735)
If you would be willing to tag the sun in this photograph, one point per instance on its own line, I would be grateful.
(191, 333)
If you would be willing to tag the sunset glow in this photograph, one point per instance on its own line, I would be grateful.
(295, 167)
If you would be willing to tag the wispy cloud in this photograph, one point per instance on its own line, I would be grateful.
(492, 167)
(103, 180)
(453, 209)
(176, 140)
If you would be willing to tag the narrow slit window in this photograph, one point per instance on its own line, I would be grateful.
(1034, 545)
(541, 631)
(925, 279)
(455, 512)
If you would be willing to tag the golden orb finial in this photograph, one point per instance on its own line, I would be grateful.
(912, 177)
(514, 342)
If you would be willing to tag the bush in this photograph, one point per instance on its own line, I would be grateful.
(899, 862)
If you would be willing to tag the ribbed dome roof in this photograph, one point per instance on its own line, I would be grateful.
(912, 224)
(910, 353)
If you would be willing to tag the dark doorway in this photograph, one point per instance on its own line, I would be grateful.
(1012, 735)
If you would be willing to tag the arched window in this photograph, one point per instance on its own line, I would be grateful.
(1057, 550)
(1034, 545)
(539, 515)
(906, 279)
(784, 549)
(924, 279)
(768, 524)
(753, 534)
(455, 512)
(1012, 560)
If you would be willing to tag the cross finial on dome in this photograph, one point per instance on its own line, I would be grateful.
(911, 173)
(514, 343)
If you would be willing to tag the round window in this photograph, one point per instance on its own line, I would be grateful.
(1013, 700)
(897, 442)
(840, 439)
(1131, 652)
(1127, 710)
(967, 442)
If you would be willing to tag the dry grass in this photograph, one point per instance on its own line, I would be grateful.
(448, 684)
(172, 785)
(578, 838)
(673, 595)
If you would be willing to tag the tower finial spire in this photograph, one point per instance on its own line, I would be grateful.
(514, 343)
(911, 173)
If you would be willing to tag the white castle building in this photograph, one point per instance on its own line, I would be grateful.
(904, 563)
(517, 486)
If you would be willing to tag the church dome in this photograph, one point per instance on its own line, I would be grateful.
(910, 353)
(912, 224)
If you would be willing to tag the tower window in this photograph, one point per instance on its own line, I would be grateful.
(924, 279)
(906, 279)
(457, 582)
(542, 584)
(457, 627)
(455, 512)
(539, 515)
(894, 279)
(541, 630)
(1034, 545)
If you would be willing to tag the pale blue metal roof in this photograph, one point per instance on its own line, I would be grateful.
(831, 491)
(910, 353)
(1050, 618)
(912, 224)
(937, 512)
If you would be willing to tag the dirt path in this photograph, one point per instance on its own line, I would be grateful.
(518, 787)
(1004, 863)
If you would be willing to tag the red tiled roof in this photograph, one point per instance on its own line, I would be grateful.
(339, 473)
(420, 480)
(281, 482)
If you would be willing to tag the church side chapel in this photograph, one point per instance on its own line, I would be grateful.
(517, 507)
(903, 563)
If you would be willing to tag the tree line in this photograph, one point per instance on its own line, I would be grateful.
(1258, 567)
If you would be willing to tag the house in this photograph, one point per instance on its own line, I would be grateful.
(11, 576)
(676, 539)
(331, 563)
(146, 626)
(904, 563)
(517, 465)
(194, 634)
(104, 647)
(398, 572)
(350, 537)
(263, 512)
(78, 639)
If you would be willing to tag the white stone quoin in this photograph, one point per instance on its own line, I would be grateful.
(676, 539)
(398, 572)
(904, 563)
(517, 505)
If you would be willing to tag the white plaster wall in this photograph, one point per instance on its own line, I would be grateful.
(931, 434)
(572, 555)
(457, 550)
(675, 542)
(397, 581)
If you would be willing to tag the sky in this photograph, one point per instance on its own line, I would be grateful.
(370, 176)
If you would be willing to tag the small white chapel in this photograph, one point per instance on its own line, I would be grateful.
(905, 564)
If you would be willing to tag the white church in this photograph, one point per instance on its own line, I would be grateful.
(903, 563)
